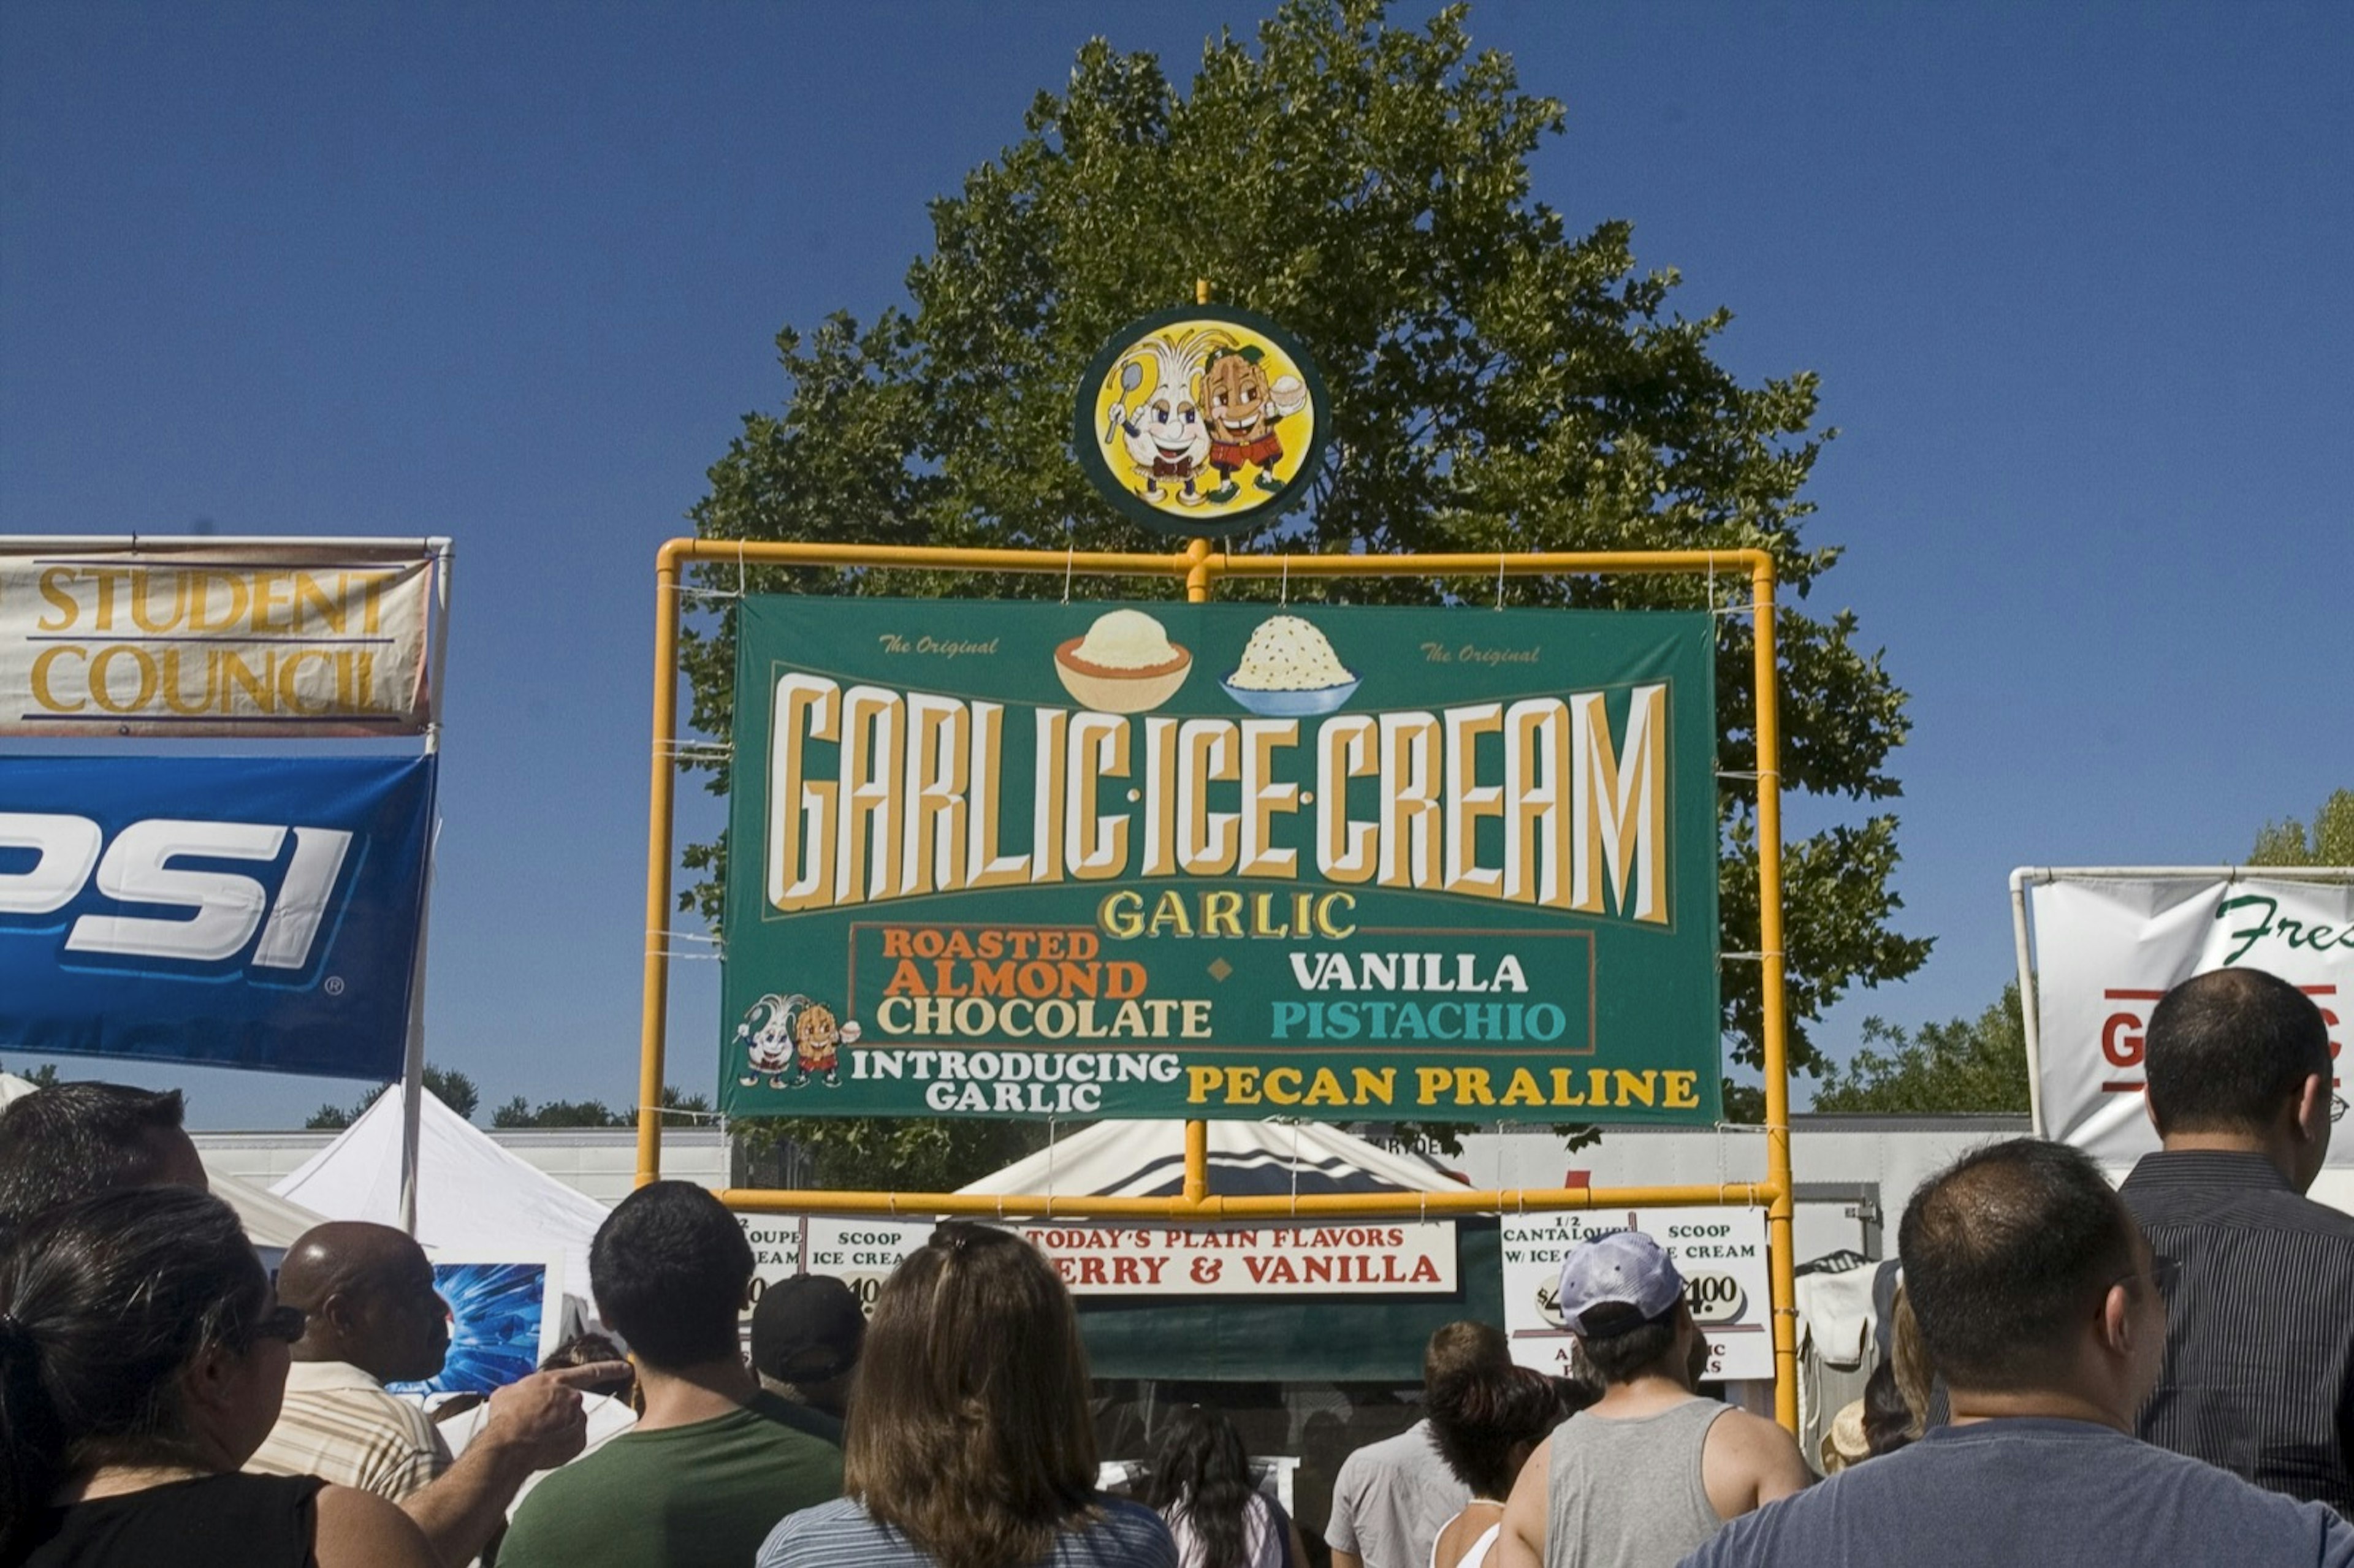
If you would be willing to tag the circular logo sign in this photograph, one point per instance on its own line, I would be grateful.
(1201, 418)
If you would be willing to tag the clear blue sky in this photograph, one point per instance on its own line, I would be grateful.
(2077, 281)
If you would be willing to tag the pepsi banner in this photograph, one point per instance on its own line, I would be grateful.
(259, 913)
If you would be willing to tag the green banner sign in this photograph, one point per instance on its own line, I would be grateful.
(1225, 859)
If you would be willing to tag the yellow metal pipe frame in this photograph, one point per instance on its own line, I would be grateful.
(1211, 1208)
(1198, 569)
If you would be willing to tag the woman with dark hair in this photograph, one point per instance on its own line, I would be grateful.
(142, 1362)
(972, 1445)
(1487, 1421)
(1203, 1486)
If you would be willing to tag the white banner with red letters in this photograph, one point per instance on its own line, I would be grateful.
(1336, 1257)
(2106, 948)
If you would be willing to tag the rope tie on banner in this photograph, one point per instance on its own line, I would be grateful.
(742, 583)
(1295, 1170)
(1499, 579)
(1070, 559)
(1283, 585)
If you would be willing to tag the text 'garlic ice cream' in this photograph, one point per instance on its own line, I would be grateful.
(1125, 639)
(1287, 654)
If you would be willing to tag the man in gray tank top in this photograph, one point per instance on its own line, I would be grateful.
(1652, 1471)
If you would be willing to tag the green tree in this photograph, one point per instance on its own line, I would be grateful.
(691, 1110)
(1964, 1065)
(452, 1088)
(2331, 841)
(43, 1076)
(1496, 381)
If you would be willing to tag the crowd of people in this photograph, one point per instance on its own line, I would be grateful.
(2078, 1375)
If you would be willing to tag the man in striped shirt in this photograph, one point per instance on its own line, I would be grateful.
(2259, 1372)
(373, 1317)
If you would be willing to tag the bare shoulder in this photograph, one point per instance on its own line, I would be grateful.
(1749, 1461)
(360, 1530)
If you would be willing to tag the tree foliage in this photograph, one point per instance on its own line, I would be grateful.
(45, 1076)
(2330, 841)
(449, 1086)
(691, 1111)
(1496, 381)
(1964, 1065)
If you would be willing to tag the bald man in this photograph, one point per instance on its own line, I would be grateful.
(372, 1316)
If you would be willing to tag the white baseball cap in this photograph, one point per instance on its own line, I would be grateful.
(1624, 1268)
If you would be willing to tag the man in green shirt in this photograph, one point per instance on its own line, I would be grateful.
(716, 1460)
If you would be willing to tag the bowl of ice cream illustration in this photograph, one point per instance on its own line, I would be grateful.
(1125, 664)
(1289, 671)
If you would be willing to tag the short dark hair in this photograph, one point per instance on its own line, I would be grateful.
(2006, 1253)
(1621, 1344)
(77, 1140)
(669, 1267)
(1459, 1346)
(2227, 1049)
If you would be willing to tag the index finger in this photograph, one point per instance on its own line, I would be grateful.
(589, 1373)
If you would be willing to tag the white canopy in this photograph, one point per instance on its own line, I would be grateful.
(270, 1221)
(12, 1086)
(472, 1195)
(1147, 1159)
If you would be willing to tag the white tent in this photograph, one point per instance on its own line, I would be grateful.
(12, 1087)
(1147, 1159)
(270, 1221)
(472, 1195)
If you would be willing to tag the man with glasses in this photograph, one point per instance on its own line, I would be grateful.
(2042, 1304)
(362, 1312)
(2259, 1374)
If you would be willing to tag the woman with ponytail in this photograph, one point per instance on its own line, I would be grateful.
(142, 1362)
(1487, 1421)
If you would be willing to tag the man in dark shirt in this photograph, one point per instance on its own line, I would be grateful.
(2038, 1301)
(2259, 1374)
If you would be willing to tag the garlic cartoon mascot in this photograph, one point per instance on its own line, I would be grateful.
(1166, 438)
(766, 1037)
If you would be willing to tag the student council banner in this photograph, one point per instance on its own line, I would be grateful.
(1226, 859)
(2107, 948)
(255, 913)
(178, 637)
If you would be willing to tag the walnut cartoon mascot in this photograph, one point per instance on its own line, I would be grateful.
(818, 1041)
(1244, 406)
(766, 1038)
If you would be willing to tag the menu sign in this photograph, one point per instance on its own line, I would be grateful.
(1224, 860)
